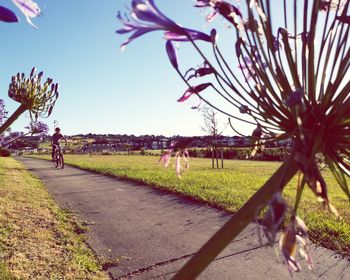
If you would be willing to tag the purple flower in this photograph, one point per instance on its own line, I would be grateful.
(257, 132)
(172, 54)
(15, 134)
(273, 219)
(11, 137)
(227, 10)
(295, 236)
(38, 127)
(243, 109)
(7, 15)
(29, 8)
(146, 17)
(296, 99)
(193, 34)
(193, 90)
(249, 66)
(276, 44)
(204, 70)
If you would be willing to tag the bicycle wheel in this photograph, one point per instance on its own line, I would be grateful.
(61, 161)
(57, 160)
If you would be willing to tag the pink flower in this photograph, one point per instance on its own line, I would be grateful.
(225, 9)
(294, 237)
(181, 153)
(204, 70)
(193, 90)
(146, 17)
(165, 158)
(179, 169)
(29, 8)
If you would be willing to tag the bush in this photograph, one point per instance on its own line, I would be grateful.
(4, 152)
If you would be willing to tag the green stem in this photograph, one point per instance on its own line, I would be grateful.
(238, 222)
(20, 110)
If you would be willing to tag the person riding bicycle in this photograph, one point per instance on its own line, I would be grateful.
(55, 141)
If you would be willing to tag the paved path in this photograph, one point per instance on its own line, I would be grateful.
(156, 233)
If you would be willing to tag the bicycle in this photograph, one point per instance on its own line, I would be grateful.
(58, 157)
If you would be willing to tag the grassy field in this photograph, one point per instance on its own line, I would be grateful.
(38, 240)
(229, 188)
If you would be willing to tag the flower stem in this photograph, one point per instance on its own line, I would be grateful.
(238, 222)
(20, 110)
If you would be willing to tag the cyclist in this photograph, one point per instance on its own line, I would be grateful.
(55, 141)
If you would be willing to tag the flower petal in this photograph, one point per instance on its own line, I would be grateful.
(7, 15)
(172, 54)
(29, 8)
(188, 93)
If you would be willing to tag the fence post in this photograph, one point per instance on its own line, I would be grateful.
(222, 158)
(212, 158)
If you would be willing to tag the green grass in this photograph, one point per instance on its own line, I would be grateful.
(38, 240)
(230, 188)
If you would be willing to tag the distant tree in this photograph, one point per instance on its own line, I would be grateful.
(212, 128)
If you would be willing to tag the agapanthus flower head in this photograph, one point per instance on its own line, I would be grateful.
(295, 83)
(15, 134)
(38, 128)
(38, 97)
(146, 17)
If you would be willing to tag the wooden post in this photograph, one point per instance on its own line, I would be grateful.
(222, 158)
(212, 158)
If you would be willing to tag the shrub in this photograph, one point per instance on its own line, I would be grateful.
(4, 152)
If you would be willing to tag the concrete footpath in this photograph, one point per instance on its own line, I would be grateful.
(157, 233)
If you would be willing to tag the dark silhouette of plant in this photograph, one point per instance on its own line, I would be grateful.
(293, 82)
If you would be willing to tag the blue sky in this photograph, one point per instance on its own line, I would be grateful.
(104, 90)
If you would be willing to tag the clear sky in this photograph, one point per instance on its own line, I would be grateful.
(102, 89)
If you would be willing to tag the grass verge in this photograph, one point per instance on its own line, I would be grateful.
(38, 240)
(229, 189)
